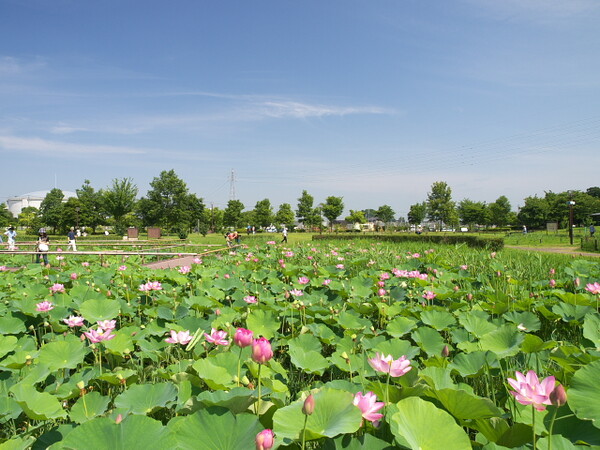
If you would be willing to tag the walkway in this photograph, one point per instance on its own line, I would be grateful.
(562, 250)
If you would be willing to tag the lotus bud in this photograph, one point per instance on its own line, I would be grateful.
(309, 405)
(119, 419)
(265, 440)
(445, 351)
(558, 396)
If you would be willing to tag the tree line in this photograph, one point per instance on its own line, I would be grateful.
(170, 205)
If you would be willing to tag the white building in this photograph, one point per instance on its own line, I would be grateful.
(16, 204)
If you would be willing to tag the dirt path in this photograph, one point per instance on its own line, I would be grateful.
(562, 250)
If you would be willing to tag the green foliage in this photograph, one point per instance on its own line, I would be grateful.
(119, 200)
(356, 217)
(499, 212)
(232, 216)
(263, 213)
(91, 207)
(473, 213)
(493, 244)
(285, 215)
(306, 214)
(440, 206)
(417, 213)
(332, 209)
(385, 213)
(6, 218)
(51, 208)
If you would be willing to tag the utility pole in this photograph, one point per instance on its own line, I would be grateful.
(232, 185)
(571, 204)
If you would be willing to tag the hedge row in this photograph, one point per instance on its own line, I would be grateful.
(590, 244)
(493, 244)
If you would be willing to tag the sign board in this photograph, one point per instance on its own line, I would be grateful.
(153, 233)
(552, 226)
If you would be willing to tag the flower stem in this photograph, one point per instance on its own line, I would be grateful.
(239, 366)
(304, 431)
(533, 426)
(259, 391)
(551, 428)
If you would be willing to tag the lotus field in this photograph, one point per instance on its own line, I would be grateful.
(329, 345)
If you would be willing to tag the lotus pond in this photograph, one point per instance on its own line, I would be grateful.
(334, 346)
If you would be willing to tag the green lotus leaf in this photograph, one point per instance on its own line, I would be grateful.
(121, 344)
(440, 320)
(424, 426)
(334, 414)
(262, 323)
(584, 395)
(397, 348)
(237, 400)
(429, 340)
(67, 354)
(505, 341)
(528, 319)
(571, 313)
(7, 345)
(11, 325)
(305, 353)
(477, 322)
(591, 328)
(352, 321)
(364, 442)
(146, 398)
(18, 443)
(89, 406)
(37, 405)
(100, 309)
(103, 433)
(215, 428)
(464, 405)
(400, 326)
(218, 371)
(469, 364)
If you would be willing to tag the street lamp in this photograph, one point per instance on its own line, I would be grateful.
(571, 204)
(77, 209)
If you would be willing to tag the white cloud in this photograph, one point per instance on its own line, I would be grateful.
(11, 66)
(58, 148)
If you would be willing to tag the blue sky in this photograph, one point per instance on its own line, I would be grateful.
(369, 100)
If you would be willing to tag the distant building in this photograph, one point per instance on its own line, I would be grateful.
(16, 204)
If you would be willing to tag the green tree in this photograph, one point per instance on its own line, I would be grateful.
(71, 209)
(90, 212)
(499, 211)
(6, 216)
(306, 214)
(119, 200)
(51, 208)
(232, 216)
(285, 215)
(213, 217)
(593, 191)
(356, 217)
(440, 207)
(417, 213)
(332, 209)
(385, 213)
(30, 219)
(534, 213)
(472, 213)
(170, 205)
(263, 213)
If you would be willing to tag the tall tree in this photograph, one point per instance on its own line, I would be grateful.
(70, 213)
(594, 191)
(499, 211)
(356, 217)
(472, 213)
(51, 208)
(232, 216)
(119, 201)
(417, 213)
(30, 218)
(385, 213)
(534, 213)
(332, 209)
(263, 213)
(440, 207)
(6, 216)
(90, 208)
(285, 215)
(169, 204)
(306, 214)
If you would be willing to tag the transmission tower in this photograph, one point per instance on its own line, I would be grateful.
(232, 185)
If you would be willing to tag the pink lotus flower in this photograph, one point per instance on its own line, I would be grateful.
(369, 406)
(387, 364)
(384, 276)
(3, 268)
(265, 440)
(181, 337)
(107, 325)
(429, 295)
(73, 276)
(85, 264)
(309, 405)
(227, 276)
(122, 268)
(552, 271)
(289, 254)
(154, 285)
(464, 267)
(144, 287)
(261, 350)
(44, 306)
(297, 292)
(57, 288)
(381, 292)
(593, 288)
(217, 337)
(96, 336)
(185, 269)
(529, 390)
(250, 299)
(74, 321)
(271, 242)
(340, 266)
(552, 283)
(303, 280)
(197, 261)
(326, 282)
(243, 337)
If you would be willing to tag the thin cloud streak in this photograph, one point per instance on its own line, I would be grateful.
(59, 149)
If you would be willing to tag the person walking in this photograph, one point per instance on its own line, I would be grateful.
(592, 230)
(11, 235)
(42, 247)
(284, 235)
(71, 240)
